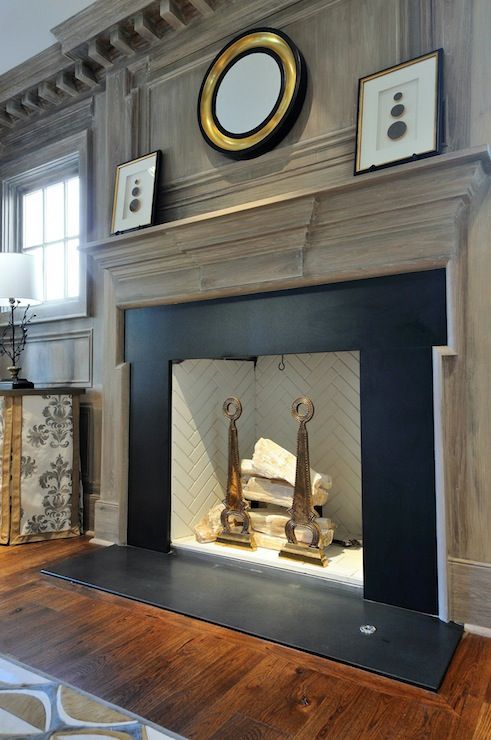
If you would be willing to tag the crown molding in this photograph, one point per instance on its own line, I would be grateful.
(101, 37)
(89, 22)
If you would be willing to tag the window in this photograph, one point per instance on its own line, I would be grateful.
(50, 231)
(45, 213)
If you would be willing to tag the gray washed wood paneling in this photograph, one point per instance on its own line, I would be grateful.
(337, 43)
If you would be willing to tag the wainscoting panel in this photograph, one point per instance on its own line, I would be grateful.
(59, 358)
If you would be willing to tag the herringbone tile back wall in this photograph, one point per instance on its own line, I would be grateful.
(199, 429)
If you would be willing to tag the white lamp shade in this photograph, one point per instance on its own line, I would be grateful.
(19, 279)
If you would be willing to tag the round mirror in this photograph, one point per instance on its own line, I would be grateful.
(252, 93)
(248, 93)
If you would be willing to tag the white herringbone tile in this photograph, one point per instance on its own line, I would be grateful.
(200, 434)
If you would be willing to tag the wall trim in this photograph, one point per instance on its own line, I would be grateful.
(45, 337)
(202, 192)
(470, 587)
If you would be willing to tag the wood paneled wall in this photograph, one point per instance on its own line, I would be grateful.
(147, 100)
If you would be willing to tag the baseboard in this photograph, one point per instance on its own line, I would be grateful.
(98, 541)
(474, 629)
(107, 521)
(470, 589)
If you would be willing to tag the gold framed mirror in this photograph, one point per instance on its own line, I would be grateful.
(252, 93)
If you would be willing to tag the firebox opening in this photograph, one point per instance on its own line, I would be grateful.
(266, 386)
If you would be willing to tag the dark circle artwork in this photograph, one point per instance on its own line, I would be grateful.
(398, 96)
(135, 191)
(135, 205)
(397, 110)
(396, 130)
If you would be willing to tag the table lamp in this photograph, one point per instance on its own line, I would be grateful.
(18, 288)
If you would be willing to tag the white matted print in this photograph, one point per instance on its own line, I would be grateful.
(134, 193)
(399, 116)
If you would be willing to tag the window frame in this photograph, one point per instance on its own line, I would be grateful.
(29, 172)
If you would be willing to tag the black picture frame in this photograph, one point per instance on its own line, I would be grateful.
(150, 221)
(437, 120)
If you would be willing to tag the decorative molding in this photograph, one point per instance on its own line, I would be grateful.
(32, 72)
(331, 153)
(356, 229)
(228, 18)
(89, 44)
(71, 352)
(172, 14)
(98, 16)
(76, 117)
(107, 34)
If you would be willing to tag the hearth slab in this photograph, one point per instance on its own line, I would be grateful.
(298, 611)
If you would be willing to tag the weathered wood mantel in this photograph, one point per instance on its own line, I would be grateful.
(396, 220)
(423, 215)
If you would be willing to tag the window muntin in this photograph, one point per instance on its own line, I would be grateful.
(50, 231)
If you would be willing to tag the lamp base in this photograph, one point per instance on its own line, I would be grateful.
(14, 385)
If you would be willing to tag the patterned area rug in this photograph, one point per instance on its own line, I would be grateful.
(35, 706)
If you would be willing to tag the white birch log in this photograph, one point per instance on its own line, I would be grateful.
(279, 493)
(208, 528)
(276, 543)
(272, 523)
(272, 461)
(268, 528)
(246, 468)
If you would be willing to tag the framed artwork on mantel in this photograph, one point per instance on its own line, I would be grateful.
(134, 193)
(400, 114)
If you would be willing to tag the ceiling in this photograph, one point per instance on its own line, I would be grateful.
(25, 27)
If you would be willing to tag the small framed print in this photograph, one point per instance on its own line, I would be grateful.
(400, 114)
(134, 193)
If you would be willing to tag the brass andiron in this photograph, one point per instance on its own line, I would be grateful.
(235, 505)
(302, 512)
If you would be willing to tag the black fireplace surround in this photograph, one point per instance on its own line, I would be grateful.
(393, 322)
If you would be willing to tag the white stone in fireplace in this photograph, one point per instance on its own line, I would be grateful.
(199, 442)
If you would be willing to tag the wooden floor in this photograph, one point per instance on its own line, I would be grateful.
(205, 681)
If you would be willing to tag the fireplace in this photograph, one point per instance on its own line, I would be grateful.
(266, 386)
(424, 217)
(393, 322)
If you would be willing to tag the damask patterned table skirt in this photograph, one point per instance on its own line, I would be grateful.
(39, 467)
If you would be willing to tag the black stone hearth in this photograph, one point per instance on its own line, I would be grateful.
(394, 322)
(294, 610)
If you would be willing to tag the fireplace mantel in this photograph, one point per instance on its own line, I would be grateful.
(418, 216)
(395, 220)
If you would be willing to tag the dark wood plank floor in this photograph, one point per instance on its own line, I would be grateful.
(206, 682)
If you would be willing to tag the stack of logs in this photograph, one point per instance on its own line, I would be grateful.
(269, 479)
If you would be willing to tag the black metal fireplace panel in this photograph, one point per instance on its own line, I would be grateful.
(393, 321)
(398, 471)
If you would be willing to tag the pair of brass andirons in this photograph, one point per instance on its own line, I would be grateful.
(302, 512)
